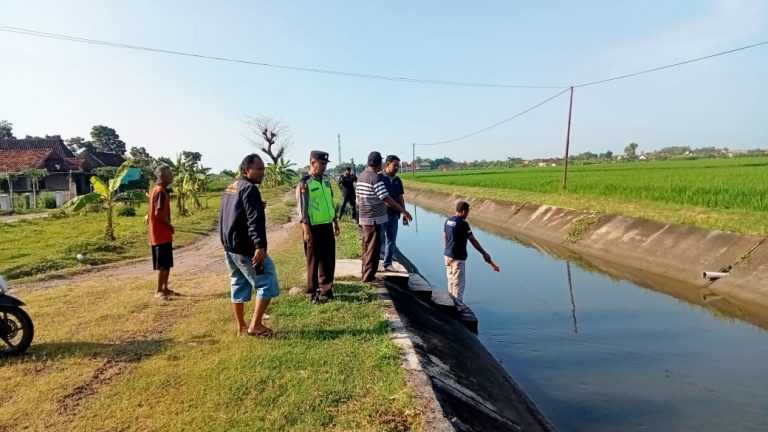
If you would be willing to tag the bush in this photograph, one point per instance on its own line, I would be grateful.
(126, 211)
(97, 245)
(93, 208)
(58, 214)
(20, 202)
(46, 200)
(35, 268)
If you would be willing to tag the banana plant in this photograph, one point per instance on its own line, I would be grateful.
(280, 173)
(107, 195)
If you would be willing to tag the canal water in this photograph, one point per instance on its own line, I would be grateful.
(600, 354)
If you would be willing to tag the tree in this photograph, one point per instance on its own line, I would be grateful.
(6, 130)
(272, 136)
(141, 156)
(630, 151)
(146, 164)
(36, 174)
(445, 160)
(189, 180)
(228, 173)
(107, 140)
(10, 178)
(79, 143)
(192, 156)
(107, 195)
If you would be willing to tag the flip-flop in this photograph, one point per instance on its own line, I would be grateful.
(162, 296)
(173, 293)
(266, 333)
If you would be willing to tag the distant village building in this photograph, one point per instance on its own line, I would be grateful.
(67, 173)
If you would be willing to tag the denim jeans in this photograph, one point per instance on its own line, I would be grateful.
(389, 238)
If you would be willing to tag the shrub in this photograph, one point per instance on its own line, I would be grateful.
(97, 245)
(126, 211)
(20, 202)
(46, 200)
(58, 214)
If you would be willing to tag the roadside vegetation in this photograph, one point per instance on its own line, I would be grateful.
(725, 194)
(37, 246)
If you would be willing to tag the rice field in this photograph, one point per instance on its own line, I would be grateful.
(734, 184)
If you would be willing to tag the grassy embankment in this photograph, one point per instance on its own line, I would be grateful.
(723, 194)
(107, 356)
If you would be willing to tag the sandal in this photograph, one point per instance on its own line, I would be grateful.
(265, 333)
(162, 296)
(170, 292)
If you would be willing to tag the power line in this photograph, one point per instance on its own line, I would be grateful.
(36, 33)
(508, 119)
(671, 65)
(601, 82)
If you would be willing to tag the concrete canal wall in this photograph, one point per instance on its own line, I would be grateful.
(666, 257)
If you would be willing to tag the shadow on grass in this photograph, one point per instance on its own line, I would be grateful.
(354, 292)
(381, 328)
(128, 351)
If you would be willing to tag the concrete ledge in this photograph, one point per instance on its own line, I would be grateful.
(672, 256)
(473, 390)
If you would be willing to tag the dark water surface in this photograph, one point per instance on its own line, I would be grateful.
(599, 354)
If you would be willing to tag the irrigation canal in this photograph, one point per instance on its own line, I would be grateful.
(601, 354)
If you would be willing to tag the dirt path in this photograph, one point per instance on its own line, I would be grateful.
(16, 218)
(205, 255)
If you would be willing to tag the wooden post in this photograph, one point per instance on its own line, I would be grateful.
(567, 143)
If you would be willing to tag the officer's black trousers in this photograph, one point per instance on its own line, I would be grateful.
(321, 257)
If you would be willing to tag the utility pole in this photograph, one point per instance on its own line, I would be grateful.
(413, 161)
(567, 143)
(338, 137)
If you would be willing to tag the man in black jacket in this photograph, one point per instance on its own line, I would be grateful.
(244, 237)
(347, 185)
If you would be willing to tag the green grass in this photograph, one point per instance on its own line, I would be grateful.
(727, 194)
(40, 246)
(181, 367)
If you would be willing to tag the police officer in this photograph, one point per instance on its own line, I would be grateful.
(347, 185)
(320, 226)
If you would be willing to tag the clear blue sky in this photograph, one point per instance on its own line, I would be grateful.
(168, 104)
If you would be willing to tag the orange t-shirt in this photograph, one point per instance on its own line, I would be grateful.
(159, 210)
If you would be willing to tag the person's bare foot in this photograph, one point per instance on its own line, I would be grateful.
(261, 331)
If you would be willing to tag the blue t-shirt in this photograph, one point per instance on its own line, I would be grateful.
(457, 232)
(395, 189)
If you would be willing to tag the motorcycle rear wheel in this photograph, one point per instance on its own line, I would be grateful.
(16, 330)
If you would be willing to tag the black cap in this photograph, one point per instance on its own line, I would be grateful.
(319, 155)
(374, 159)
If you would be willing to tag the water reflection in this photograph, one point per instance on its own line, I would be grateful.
(573, 302)
(630, 359)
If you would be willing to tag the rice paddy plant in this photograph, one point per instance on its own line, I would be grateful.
(709, 183)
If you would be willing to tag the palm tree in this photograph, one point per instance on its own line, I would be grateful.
(107, 195)
(35, 174)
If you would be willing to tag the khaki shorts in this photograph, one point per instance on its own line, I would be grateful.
(455, 271)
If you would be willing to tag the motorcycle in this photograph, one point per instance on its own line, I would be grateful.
(16, 328)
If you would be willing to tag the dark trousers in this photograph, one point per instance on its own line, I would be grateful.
(348, 198)
(321, 257)
(371, 250)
